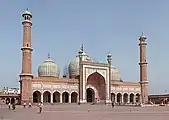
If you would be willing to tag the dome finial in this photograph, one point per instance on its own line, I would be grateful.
(27, 9)
(142, 34)
(49, 55)
(81, 47)
(142, 37)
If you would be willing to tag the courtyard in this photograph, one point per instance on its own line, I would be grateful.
(85, 112)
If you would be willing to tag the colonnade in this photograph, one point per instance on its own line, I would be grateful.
(56, 97)
(6, 100)
(72, 97)
(125, 98)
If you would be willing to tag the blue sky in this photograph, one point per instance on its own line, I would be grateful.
(103, 26)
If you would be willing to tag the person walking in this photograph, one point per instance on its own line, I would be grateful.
(9, 105)
(24, 104)
(30, 105)
(13, 106)
(40, 107)
(112, 104)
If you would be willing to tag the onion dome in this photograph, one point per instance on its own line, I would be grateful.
(74, 65)
(49, 68)
(27, 13)
(115, 74)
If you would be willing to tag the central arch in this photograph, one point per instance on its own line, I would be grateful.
(98, 82)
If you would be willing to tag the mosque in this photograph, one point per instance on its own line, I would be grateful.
(87, 81)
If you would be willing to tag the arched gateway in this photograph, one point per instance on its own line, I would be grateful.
(90, 95)
(96, 88)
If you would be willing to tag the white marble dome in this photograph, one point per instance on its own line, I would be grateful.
(74, 65)
(27, 12)
(115, 74)
(48, 68)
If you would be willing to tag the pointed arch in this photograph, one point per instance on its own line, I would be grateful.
(46, 97)
(74, 97)
(97, 81)
(137, 97)
(36, 96)
(96, 70)
(8, 100)
(65, 97)
(90, 95)
(131, 98)
(95, 76)
(56, 97)
(119, 98)
(113, 97)
(125, 98)
(12, 100)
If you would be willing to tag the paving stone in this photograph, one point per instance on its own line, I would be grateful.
(84, 112)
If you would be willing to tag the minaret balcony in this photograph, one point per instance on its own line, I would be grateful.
(142, 43)
(143, 82)
(27, 21)
(142, 63)
(27, 48)
(23, 75)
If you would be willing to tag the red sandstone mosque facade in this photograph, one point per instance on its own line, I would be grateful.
(88, 80)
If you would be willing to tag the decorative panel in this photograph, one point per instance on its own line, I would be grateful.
(125, 89)
(74, 87)
(138, 89)
(131, 89)
(118, 88)
(112, 88)
(65, 86)
(56, 86)
(36, 86)
(47, 86)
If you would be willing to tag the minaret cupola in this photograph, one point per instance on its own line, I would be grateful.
(27, 17)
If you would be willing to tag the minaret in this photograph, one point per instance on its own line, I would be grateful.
(143, 70)
(109, 60)
(26, 74)
(81, 99)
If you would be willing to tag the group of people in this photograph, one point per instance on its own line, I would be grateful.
(97, 101)
(40, 105)
(30, 105)
(12, 105)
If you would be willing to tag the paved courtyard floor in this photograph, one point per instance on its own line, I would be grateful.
(85, 112)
